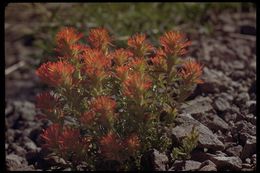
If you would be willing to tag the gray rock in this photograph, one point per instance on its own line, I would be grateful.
(234, 151)
(26, 109)
(9, 109)
(212, 121)
(252, 106)
(242, 98)
(198, 105)
(187, 165)
(248, 160)
(251, 118)
(215, 81)
(14, 162)
(160, 160)
(18, 149)
(221, 105)
(30, 146)
(238, 65)
(208, 166)
(250, 148)
(153, 160)
(206, 138)
(53, 160)
(230, 116)
(232, 163)
(246, 127)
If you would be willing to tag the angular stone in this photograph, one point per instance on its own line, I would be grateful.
(153, 160)
(221, 105)
(208, 166)
(206, 138)
(30, 146)
(14, 162)
(249, 149)
(198, 105)
(232, 163)
(187, 165)
(234, 151)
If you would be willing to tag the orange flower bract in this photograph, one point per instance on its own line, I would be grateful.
(46, 101)
(191, 71)
(139, 45)
(135, 85)
(56, 73)
(133, 143)
(51, 136)
(174, 43)
(96, 64)
(69, 139)
(120, 56)
(103, 105)
(99, 38)
(111, 147)
(122, 72)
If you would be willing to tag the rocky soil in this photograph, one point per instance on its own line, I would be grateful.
(223, 108)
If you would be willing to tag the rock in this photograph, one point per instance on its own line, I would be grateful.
(248, 160)
(9, 109)
(30, 146)
(14, 162)
(214, 81)
(252, 106)
(249, 148)
(10, 135)
(208, 166)
(18, 149)
(238, 75)
(230, 116)
(153, 160)
(187, 165)
(238, 65)
(53, 160)
(198, 105)
(212, 121)
(206, 138)
(12, 119)
(221, 105)
(242, 98)
(234, 151)
(251, 118)
(226, 96)
(160, 160)
(224, 163)
(26, 109)
(229, 28)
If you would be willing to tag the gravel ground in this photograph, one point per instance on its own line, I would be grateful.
(223, 108)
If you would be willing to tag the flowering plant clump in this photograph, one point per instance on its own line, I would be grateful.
(113, 104)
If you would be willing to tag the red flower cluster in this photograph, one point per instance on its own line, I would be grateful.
(114, 148)
(96, 64)
(139, 45)
(66, 140)
(174, 43)
(99, 38)
(111, 93)
(56, 73)
(135, 85)
(120, 56)
(191, 72)
(66, 40)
